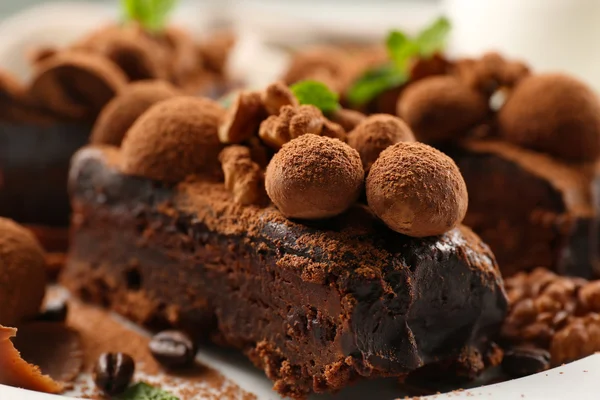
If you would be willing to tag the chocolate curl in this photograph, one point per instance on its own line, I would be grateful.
(53, 347)
(130, 47)
(75, 84)
(14, 371)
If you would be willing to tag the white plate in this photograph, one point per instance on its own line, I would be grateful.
(59, 23)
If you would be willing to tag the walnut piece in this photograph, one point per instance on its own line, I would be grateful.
(243, 177)
(580, 338)
(293, 122)
(242, 119)
(277, 95)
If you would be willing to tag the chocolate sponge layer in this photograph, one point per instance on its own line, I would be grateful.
(316, 306)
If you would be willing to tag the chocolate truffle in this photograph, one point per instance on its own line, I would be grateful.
(417, 190)
(441, 108)
(173, 139)
(22, 274)
(555, 114)
(314, 177)
(122, 111)
(375, 134)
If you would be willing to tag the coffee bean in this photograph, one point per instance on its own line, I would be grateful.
(523, 361)
(113, 372)
(55, 311)
(173, 349)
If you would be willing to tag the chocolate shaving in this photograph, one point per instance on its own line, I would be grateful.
(14, 371)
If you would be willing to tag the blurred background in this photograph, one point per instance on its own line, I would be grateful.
(556, 35)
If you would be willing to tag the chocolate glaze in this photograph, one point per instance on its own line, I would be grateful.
(34, 164)
(316, 306)
(532, 209)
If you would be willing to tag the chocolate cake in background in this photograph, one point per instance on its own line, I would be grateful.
(182, 225)
(44, 121)
(526, 144)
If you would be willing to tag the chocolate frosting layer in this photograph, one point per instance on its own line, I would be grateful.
(315, 305)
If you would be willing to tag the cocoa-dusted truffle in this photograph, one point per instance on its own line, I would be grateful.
(76, 84)
(314, 177)
(553, 113)
(122, 111)
(417, 190)
(173, 139)
(441, 107)
(22, 273)
(375, 134)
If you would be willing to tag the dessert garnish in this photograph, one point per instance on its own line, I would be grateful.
(416, 190)
(244, 178)
(122, 111)
(555, 114)
(14, 371)
(22, 274)
(242, 118)
(375, 134)
(173, 349)
(76, 85)
(314, 177)
(293, 122)
(402, 51)
(143, 391)
(113, 372)
(150, 14)
(53, 347)
(277, 95)
(316, 94)
(441, 108)
(173, 139)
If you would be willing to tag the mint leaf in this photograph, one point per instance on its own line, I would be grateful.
(375, 82)
(152, 15)
(400, 48)
(143, 391)
(433, 38)
(317, 94)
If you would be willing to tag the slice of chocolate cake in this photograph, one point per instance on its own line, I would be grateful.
(315, 305)
(531, 208)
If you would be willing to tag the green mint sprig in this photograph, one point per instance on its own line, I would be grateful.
(402, 49)
(143, 391)
(317, 94)
(152, 15)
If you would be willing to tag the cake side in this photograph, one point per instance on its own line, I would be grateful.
(530, 208)
(316, 306)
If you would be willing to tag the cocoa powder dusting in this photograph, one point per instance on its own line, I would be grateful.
(101, 333)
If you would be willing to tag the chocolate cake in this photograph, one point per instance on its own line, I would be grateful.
(244, 225)
(316, 305)
(56, 108)
(532, 209)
